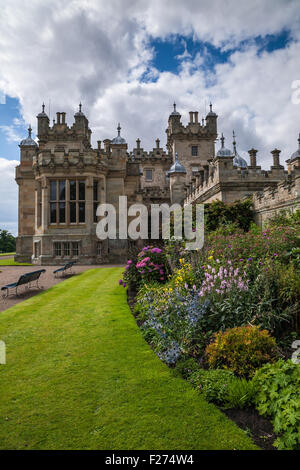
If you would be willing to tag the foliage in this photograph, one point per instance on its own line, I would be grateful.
(212, 383)
(171, 319)
(242, 350)
(240, 393)
(218, 214)
(7, 242)
(150, 265)
(187, 366)
(278, 396)
(285, 218)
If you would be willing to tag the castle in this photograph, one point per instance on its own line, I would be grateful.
(62, 180)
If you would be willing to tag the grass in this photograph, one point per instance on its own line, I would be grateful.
(12, 262)
(80, 376)
(7, 254)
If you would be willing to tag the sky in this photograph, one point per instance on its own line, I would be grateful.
(127, 61)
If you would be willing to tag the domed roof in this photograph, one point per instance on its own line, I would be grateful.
(297, 153)
(238, 161)
(223, 151)
(29, 140)
(118, 140)
(42, 114)
(79, 113)
(176, 167)
(211, 112)
(175, 113)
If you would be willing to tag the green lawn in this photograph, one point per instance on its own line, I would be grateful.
(7, 254)
(80, 376)
(11, 262)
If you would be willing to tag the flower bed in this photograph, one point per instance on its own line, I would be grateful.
(241, 291)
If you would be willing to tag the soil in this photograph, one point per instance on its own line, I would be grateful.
(259, 428)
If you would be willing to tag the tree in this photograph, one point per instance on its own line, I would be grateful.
(7, 242)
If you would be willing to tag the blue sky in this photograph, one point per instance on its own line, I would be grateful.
(128, 60)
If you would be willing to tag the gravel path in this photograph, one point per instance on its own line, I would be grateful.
(10, 274)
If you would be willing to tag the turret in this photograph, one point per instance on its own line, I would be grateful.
(43, 124)
(177, 175)
(211, 121)
(28, 147)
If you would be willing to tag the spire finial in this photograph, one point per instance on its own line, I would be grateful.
(222, 140)
(210, 107)
(43, 107)
(176, 156)
(299, 140)
(29, 130)
(119, 129)
(234, 143)
(80, 106)
(174, 105)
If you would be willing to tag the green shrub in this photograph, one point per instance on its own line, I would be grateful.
(278, 396)
(241, 350)
(213, 384)
(241, 393)
(186, 367)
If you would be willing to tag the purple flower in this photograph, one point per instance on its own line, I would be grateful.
(124, 284)
(120, 282)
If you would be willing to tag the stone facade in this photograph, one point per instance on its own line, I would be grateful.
(62, 180)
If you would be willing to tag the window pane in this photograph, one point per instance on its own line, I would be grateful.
(53, 191)
(53, 213)
(81, 185)
(148, 175)
(95, 211)
(66, 249)
(81, 212)
(72, 212)
(62, 190)
(72, 190)
(95, 190)
(57, 249)
(75, 249)
(62, 212)
(194, 151)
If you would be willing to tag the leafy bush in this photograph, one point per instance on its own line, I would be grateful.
(241, 350)
(7, 242)
(240, 394)
(186, 367)
(150, 265)
(170, 320)
(213, 384)
(218, 214)
(278, 396)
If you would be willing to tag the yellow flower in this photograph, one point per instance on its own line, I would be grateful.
(210, 257)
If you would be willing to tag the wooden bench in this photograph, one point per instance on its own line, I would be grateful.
(64, 269)
(24, 280)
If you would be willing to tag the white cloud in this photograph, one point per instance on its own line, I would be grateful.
(98, 51)
(8, 196)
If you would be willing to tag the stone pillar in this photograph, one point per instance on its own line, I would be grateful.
(157, 143)
(252, 154)
(276, 160)
(63, 118)
(45, 206)
(191, 116)
(196, 117)
(58, 118)
(99, 144)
